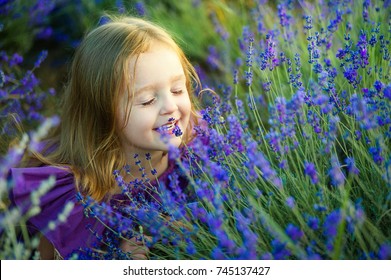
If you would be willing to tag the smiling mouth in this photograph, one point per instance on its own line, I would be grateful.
(167, 128)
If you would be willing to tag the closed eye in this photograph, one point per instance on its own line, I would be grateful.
(149, 102)
(177, 91)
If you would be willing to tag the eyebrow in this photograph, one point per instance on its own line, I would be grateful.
(153, 86)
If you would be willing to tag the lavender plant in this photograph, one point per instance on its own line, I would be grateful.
(24, 22)
(21, 102)
(295, 160)
(292, 160)
(16, 241)
(22, 99)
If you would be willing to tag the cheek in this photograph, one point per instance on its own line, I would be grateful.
(186, 113)
(141, 121)
(186, 105)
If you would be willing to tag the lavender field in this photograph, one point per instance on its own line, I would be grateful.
(294, 159)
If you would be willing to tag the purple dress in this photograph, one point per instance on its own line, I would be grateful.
(73, 234)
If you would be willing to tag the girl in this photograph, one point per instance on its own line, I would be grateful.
(130, 84)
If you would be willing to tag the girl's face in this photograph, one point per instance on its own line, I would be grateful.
(160, 102)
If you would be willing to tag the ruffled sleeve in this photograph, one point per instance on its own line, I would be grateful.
(69, 236)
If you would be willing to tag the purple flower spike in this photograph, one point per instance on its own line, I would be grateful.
(336, 175)
(387, 92)
(310, 170)
(41, 58)
(352, 166)
(290, 202)
(385, 252)
(177, 131)
(294, 232)
(331, 223)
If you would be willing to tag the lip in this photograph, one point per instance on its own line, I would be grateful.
(167, 128)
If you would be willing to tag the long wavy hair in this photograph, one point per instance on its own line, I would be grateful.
(87, 141)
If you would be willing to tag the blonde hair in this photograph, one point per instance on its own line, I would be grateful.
(87, 139)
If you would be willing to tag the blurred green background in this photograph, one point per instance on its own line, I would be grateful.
(203, 29)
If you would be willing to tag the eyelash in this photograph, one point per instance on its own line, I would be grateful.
(150, 102)
(177, 92)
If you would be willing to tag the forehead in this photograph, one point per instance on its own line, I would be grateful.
(156, 66)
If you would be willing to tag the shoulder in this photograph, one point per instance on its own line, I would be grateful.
(32, 177)
(55, 189)
(40, 171)
(49, 181)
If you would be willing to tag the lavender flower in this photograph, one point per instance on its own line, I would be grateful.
(387, 92)
(310, 170)
(363, 49)
(313, 223)
(235, 77)
(303, 116)
(177, 131)
(140, 8)
(213, 58)
(294, 232)
(257, 159)
(103, 20)
(235, 134)
(16, 59)
(351, 166)
(284, 17)
(378, 85)
(280, 251)
(41, 58)
(376, 153)
(249, 54)
(365, 10)
(308, 22)
(243, 223)
(336, 175)
(290, 202)
(220, 29)
(269, 57)
(385, 251)
(350, 74)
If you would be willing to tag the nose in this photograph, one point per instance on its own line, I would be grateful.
(169, 105)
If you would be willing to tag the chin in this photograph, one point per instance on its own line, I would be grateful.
(176, 142)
